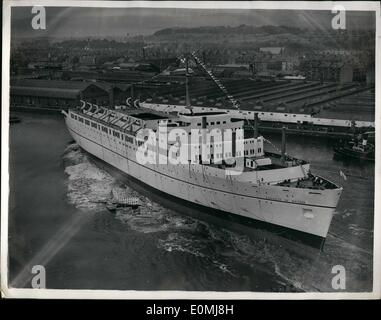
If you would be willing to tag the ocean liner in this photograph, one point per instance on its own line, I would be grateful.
(237, 175)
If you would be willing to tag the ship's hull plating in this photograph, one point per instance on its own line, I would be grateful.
(277, 210)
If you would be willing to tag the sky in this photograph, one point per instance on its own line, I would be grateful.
(65, 22)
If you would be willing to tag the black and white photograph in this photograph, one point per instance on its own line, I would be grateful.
(178, 149)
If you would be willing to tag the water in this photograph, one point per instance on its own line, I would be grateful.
(56, 220)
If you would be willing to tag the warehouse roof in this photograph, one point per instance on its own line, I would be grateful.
(58, 88)
(53, 84)
(45, 92)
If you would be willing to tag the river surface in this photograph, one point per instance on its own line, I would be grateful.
(56, 220)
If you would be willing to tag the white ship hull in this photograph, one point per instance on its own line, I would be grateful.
(298, 209)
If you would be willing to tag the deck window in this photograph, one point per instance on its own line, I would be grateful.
(129, 139)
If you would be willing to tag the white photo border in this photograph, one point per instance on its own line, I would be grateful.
(8, 292)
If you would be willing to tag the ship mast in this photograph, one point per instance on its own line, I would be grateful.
(187, 95)
(283, 150)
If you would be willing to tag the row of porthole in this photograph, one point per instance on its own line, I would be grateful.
(133, 148)
(98, 128)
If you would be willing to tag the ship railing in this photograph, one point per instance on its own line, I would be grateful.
(312, 182)
(288, 158)
(129, 123)
(328, 183)
(116, 119)
(107, 114)
(111, 125)
(102, 113)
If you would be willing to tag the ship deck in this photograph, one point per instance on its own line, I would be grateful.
(145, 113)
(310, 182)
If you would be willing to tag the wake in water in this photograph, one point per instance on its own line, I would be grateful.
(87, 184)
(233, 254)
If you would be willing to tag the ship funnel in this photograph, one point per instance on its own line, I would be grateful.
(283, 155)
(256, 120)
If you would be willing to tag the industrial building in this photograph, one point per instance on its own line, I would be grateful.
(55, 94)
(350, 101)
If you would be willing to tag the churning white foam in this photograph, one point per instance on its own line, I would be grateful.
(87, 184)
